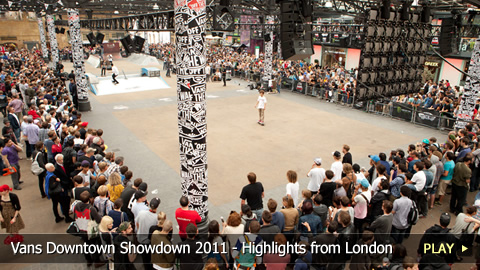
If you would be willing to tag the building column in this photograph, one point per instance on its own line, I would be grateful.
(190, 57)
(471, 90)
(146, 44)
(269, 48)
(78, 60)
(53, 40)
(43, 40)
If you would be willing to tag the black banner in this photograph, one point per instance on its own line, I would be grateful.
(402, 111)
(426, 117)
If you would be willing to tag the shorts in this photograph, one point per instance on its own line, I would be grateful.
(442, 186)
(432, 190)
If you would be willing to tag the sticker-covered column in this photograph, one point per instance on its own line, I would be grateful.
(190, 55)
(471, 89)
(269, 47)
(53, 40)
(43, 40)
(77, 53)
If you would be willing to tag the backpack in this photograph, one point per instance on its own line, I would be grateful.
(82, 218)
(248, 259)
(413, 214)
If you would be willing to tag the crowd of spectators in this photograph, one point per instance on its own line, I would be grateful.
(345, 204)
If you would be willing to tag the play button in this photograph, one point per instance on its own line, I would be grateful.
(464, 248)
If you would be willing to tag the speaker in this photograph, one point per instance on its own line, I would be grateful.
(307, 8)
(297, 49)
(62, 30)
(426, 15)
(446, 36)
(267, 37)
(385, 10)
(91, 39)
(139, 41)
(100, 38)
(57, 30)
(128, 44)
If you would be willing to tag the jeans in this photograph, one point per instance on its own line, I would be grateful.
(113, 78)
(16, 176)
(41, 181)
(30, 148)
(17, 134)
(458, 199)
(475, 179)
(64, 202)
(259, 213)
(398, 234)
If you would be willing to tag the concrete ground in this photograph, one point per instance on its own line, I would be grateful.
(142, 127)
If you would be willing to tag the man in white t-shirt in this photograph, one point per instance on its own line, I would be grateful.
(316, 175)
(381, 175)
(419, 179)
(86, 174)
(337, 166)
(114, 74)
(361, 198)
(261, 106)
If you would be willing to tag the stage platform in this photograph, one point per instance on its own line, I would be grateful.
(132, 83)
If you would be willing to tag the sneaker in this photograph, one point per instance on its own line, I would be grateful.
(59, 219)
(17, 188)
(437, 203)
(69, 220)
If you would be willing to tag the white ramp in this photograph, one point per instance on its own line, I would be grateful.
(133, 83)
(142, 59)
(94, 61)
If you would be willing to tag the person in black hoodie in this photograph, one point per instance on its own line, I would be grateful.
(192, 260)
(377, 201)
(122, 260)
(438, 235)
(346, 234)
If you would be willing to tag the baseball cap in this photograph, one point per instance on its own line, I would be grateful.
(364, 183)
(317, 161)
(85, 163)
(140, 194)
(84, 124)
(98, 157)
(154, 203)
(336, 154)
(426, 141)
(143, 186)
(375, 158)
(123, 226)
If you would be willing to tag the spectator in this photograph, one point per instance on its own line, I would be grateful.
(192, 260)
(184, 217)
(292, 186)
(116, 214)
(277, 217)
(460, 181)
(316, 175)
(252, 194)
(161, 237)
(401, 209)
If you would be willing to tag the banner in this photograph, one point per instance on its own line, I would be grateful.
(426, 117)
(402, 111)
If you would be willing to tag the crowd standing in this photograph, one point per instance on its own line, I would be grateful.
(345, 204)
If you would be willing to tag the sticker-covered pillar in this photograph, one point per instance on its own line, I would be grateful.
(471, 90)
(78, 61)
(190, 59)
(43, 40)
(53, 40)
(269, 47)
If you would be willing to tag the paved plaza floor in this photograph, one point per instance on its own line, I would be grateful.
(142, 127)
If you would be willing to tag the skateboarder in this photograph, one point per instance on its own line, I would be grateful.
(261, 106)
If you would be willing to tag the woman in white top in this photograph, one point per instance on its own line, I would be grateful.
(292, 186)
(233, 228)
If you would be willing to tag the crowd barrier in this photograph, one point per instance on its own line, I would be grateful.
(396, 110)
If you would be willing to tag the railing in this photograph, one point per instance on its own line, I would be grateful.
(400, 111)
